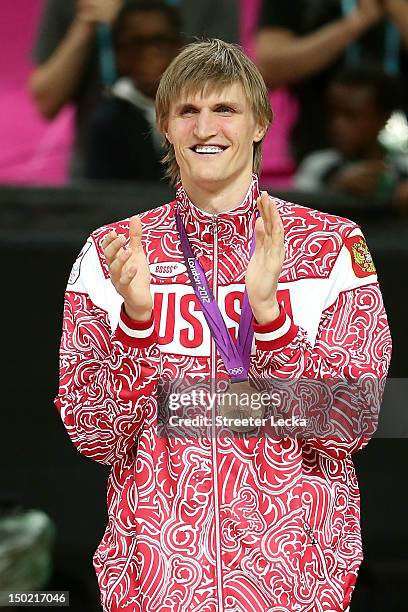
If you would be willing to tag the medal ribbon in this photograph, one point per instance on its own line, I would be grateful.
(236, 357)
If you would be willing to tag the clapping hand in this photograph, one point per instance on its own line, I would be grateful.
(129, 271)
(266, 262)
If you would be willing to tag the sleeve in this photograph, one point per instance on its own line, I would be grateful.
(110, 144)
(54, 25)
(105, 158)
(280, 14)
(313, 169)
(337, 382)
(108, 378)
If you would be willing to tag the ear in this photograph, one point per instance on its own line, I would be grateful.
(168, 137)
(259, 133)
(163, 128)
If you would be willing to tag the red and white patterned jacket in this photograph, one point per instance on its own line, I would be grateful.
(233, 523)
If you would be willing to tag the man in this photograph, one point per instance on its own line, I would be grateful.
(222, 522)
(303, 43)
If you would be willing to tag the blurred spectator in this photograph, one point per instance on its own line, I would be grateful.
(67, 56)
(122, 142)
(303, 42)
(360, 101)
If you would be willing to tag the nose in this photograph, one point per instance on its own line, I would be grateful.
(205, 125)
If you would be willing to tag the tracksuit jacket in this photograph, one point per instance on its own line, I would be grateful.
(240, 522)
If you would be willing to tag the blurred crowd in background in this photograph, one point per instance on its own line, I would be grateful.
(337, 72)
(79, 79)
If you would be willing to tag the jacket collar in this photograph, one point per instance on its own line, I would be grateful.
(230, 224)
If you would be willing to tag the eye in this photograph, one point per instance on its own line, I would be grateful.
(187, 110)
(225, 110)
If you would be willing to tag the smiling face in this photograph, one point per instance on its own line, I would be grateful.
(213, 133)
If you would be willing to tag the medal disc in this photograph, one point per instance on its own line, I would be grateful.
(240, 411)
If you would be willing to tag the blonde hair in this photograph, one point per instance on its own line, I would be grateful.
(208, 66)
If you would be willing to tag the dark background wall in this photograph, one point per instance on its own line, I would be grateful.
(41, 233)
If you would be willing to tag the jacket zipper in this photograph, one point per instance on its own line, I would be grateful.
(310, 533)
(319, 550)
(213, 364)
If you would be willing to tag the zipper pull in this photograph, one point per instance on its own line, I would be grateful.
(310, 533)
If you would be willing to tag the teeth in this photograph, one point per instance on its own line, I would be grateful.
(208, 149)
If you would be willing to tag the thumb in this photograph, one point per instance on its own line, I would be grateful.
(259, 231)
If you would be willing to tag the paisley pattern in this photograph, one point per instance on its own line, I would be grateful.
(227, 523)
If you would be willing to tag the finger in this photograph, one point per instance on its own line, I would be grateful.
(259, 230)
(261, 204)
(273, 226)
(128, 274)
(113, 248)
(275, 219)
(108, 239)
(118, 262)
(267, 217)
(264, 209)
(135, 233)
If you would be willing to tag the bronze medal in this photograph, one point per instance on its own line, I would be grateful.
(239, 412)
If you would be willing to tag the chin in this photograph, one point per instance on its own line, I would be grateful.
(208, 176)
